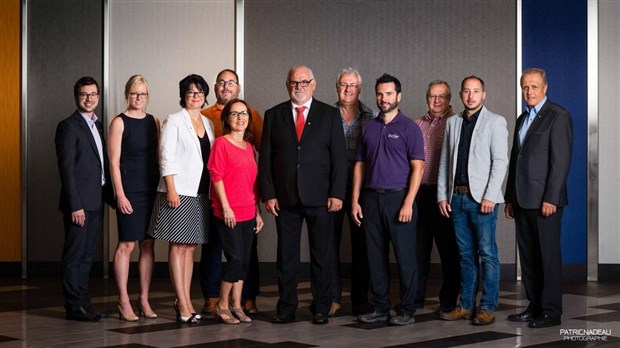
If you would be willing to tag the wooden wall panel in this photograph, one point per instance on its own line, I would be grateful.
(10, 159)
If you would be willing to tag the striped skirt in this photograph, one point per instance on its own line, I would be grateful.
(186, 224)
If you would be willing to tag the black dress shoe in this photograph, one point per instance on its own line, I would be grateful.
(283, 319)
(544, 320)
(320, 319)
(527, 315)
(81, 314)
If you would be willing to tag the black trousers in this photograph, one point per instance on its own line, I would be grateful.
(382, 227)
(540, 253)
(210, 272)
(434, 226)
(320, 228)
(77, 258)
(237, 247)
(360, 277)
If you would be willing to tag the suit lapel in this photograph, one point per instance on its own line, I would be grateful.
(313, 114)
(190, 128)
(89, 135)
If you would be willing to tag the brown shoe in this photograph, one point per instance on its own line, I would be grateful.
(484, 317)
(457, 314)
(210, 306)
(333, 309)
(249, 306)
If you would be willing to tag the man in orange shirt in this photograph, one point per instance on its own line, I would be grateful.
(226, 88)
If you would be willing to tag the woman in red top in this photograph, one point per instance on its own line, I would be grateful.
(233, 169)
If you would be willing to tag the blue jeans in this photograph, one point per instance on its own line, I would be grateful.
(475, 236)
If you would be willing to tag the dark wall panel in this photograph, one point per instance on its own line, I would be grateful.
(65, 42)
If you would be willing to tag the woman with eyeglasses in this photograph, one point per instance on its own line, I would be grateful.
(132, 150)
(180, 215)
(235, 205)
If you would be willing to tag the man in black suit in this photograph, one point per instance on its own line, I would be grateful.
(303, 172)
(85, 184)
(535, 195)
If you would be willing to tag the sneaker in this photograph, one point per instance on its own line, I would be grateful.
(210, 305)
(402, 319)
(457, 314)
(484, 317)
(374, 317)
(334, 309)
(249, 306)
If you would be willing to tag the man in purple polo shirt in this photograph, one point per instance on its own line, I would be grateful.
(387, 174)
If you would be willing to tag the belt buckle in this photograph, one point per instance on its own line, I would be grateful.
(380, 191)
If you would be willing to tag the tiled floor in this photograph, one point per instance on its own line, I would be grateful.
(31, 315)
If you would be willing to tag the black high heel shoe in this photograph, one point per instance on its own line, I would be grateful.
(188, 320)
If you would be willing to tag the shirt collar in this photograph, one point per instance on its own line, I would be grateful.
(306, 104)
(89, 121)
(538, 106)
(430, 118)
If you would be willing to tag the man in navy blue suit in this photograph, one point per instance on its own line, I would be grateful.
(85, 185)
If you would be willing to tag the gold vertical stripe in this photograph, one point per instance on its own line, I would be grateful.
(10, 163)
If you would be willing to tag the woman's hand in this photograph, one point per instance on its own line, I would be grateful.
(259, 223)
(123, 205)
(174, 201)
(229, 218)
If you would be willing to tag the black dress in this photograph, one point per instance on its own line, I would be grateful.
(139, 174)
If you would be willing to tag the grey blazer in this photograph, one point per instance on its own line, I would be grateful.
(488, 157)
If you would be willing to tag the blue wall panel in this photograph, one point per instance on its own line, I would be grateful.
(555, 39)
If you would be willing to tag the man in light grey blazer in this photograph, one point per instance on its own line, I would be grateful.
(473, 163)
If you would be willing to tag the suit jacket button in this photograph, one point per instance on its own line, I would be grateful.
(298, 147)
(298, 165)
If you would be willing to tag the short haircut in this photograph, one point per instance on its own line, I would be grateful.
(197, 80)
(387, 78)
(134, 80)
(247, 135)
(436, 83)
(227, 70)
(540, 71)
(350, 71)
(290, 71)
(83, 81)
(474, 78)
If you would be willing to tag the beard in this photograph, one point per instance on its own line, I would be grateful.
(387, 107)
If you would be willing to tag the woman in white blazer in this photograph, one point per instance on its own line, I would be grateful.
(180, 215)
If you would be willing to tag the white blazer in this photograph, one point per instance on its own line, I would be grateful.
(180, 154)
(488, 157)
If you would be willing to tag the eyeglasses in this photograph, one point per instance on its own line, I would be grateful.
(93, 95)
(441, 96)
(344, 85)
(303, 83)
(138, 95)
(193, 94)
(229, 83)
(234, 114)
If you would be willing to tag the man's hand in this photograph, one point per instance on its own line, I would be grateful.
(487, 207)
(508, 211)
(405, 213)
(356, 213)
(272, 206)
(548, 209)
(78, 217)
(444, 208)
(334, 204)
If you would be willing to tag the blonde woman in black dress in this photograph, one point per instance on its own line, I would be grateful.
(180, 214)
(132, 150)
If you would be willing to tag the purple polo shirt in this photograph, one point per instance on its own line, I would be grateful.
(387, 150)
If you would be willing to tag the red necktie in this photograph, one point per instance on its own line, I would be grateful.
(300, 121)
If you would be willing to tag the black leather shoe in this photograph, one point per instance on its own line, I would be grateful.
(320, 319)
(81, 314)
(283, 319)
(527, 315)
(544, 320)
(402, 319)
(374, 317)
